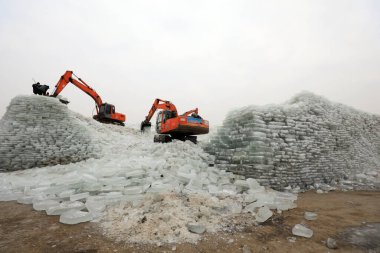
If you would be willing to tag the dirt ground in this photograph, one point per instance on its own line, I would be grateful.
(341, 215)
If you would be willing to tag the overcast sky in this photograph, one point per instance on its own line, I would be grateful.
(214, 55)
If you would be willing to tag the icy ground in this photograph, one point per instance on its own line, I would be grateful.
(140, 191)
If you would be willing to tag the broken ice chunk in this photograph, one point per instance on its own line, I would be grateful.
(185, 177)
(301, 230)
(235, 207)
(25, 199)
(242, 183)
(133, 190)
(64, 207)
(135, 173)
(196, 228)
(249, 198)
(92, 187)
(264, 198)
(79, 196)
(10, 196)
(158, 187)
(250, 208)
(40, 205)
(213, 189)
(75, 217)
(67, 193)
(263, 214)
(112, 197)
(229, 189)
(310, 216)
(252, 183)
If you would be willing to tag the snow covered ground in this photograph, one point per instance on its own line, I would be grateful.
(142, 191)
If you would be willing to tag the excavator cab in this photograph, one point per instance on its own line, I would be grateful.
(107, 114)
(106, 110)
(162, 117)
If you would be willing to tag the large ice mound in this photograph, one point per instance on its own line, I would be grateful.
(38, 131)
(144, 192)
(304, 141)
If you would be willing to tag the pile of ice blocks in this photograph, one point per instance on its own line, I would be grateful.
(305, 141)
(38, 131)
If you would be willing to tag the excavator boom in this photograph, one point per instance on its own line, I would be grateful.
(104, 112)
(67, 78)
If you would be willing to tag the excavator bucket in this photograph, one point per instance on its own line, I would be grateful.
(39, 89)
(145, 127)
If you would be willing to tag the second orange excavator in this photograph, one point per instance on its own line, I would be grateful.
(105, 112)
(170, 125)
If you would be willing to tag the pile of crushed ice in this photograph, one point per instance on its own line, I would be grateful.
(142, 191)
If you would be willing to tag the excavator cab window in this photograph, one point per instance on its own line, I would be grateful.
(168, 115)
(159, 122)
(105, 110)
(109, 108)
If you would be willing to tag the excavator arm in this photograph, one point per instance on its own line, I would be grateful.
(190, 112)
(104, 112)
(67, 77)
(157, 104)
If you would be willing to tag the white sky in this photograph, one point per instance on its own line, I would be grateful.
(214, 55)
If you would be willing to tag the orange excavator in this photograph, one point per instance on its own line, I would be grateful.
(170, 125)
(105, 112)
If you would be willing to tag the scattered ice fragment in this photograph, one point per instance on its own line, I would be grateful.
(250, 208)
(331, 243)
(44, 204)
(263, 214)
(252, 183)
(79, 196)
(213, 189)
(64, 207)
(10, 196)
(67, 193)
(133, 190)
(196, 228)
(25, 199)
(249, 198)
(135, 173)
(310, 216)
(242, 183)
(75, 217)
(235, 207)
(301, 230)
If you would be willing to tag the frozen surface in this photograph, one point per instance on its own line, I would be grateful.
(305, 141)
